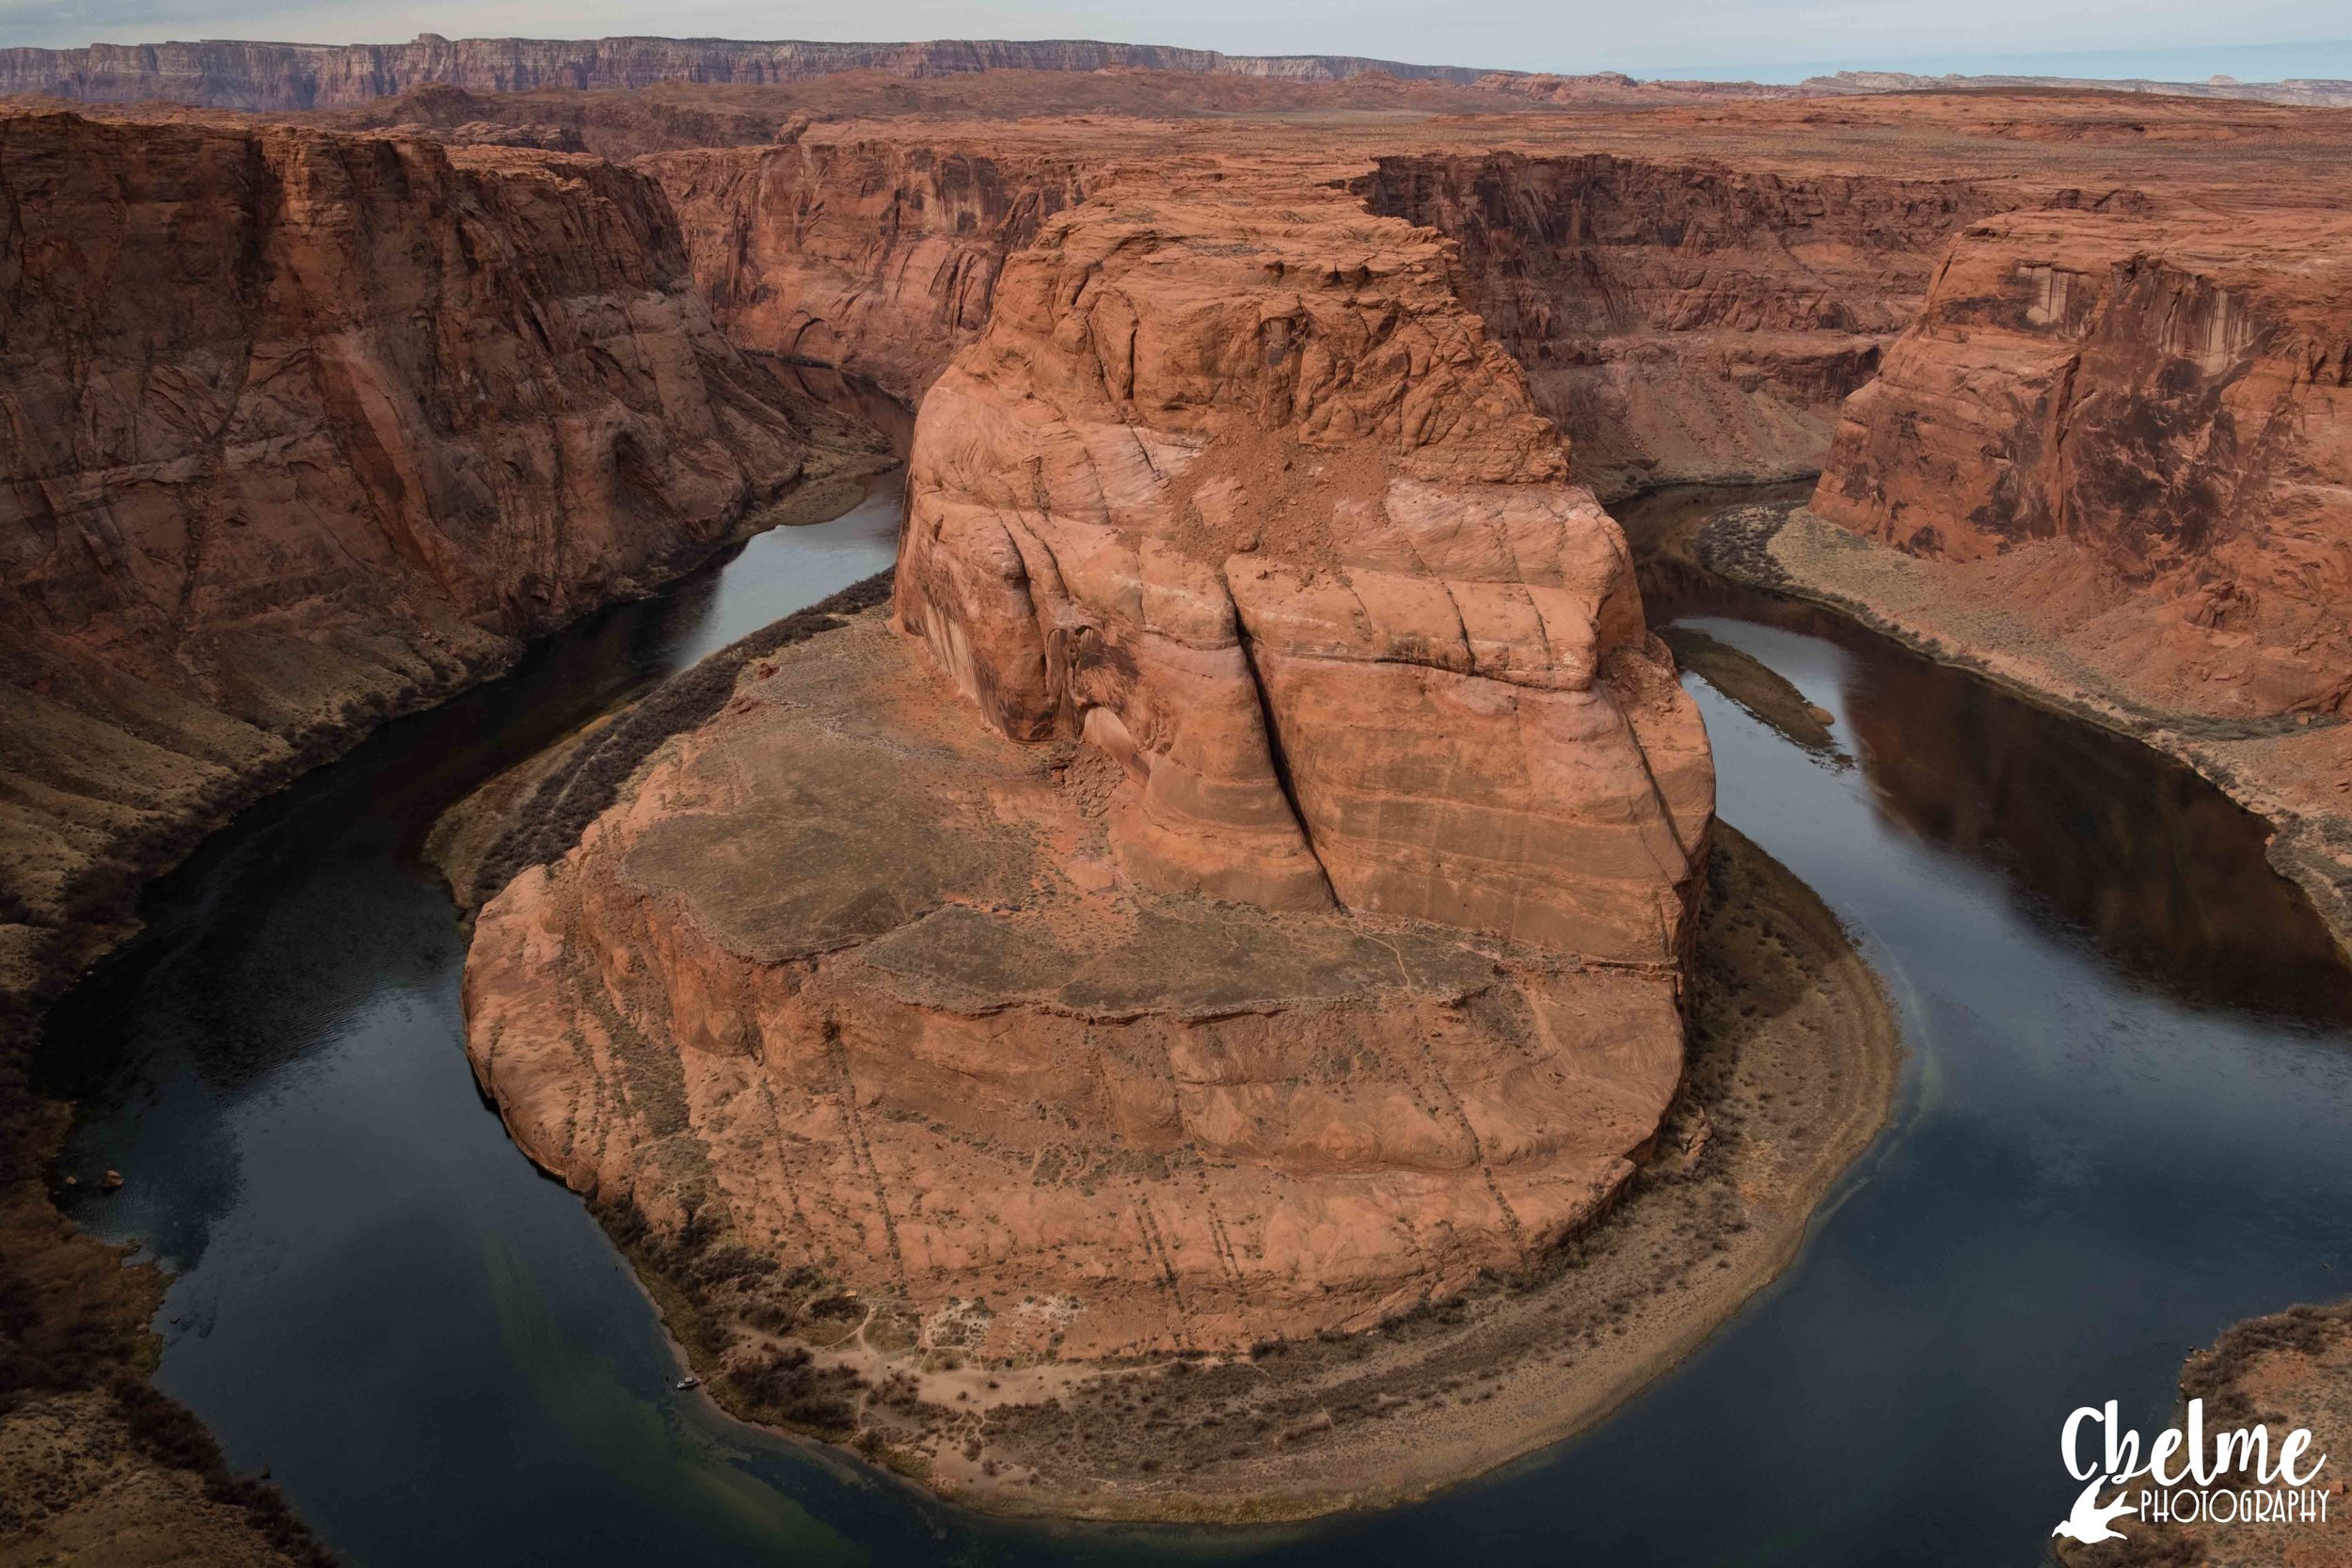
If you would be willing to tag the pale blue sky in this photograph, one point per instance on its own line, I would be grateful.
(1770, 38)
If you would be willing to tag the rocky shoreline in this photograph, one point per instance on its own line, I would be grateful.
(2289, 770)
(2285, 1370)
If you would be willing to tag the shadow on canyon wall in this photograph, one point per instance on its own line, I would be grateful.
(2163, 874)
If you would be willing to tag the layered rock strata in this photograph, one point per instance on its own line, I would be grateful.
(304, 429)
(858, 986)
(236, 75)
(1682, 320)
(1236, 489)
(2136, 429)
(881, 256)
(1252, 897)
(1677, 320)
(246, 74)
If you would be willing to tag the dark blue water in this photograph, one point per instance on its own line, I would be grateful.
(2122, 1127)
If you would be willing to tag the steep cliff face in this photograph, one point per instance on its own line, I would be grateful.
(877, 256)
(303, 429)
(233, 74)
(1236, 487)
(2137, 430)
(1682, 321)
(1250, 900)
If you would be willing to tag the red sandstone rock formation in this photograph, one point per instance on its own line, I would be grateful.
(1236, 487)
(2327, 92)
(858, 985)
(878, 256)
(1618, 90)
(2134, 429)
(1294, 928)
(1679, 320)
(241, 74)
(1682, 320)
(304, 429)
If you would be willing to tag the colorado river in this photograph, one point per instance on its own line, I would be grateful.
(2120, 1129)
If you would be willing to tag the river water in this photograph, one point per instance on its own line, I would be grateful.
(2121, 1128)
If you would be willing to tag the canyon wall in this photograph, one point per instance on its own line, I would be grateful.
(246, 74)
(306, 429)
(2134, 431)
(1683, 321)
(235, 74)
(1615, 89)
(880, 256)
(1679, 322)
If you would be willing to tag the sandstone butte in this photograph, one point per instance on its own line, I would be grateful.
(1337, 960)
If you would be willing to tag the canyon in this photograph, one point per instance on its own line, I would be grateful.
(1142, 519)
(278, 76)
(305, 431)
(1678, 321)
(1240, 883)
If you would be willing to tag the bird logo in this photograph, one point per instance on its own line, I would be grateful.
(2089, 1521)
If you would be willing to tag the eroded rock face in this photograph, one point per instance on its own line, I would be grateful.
(2136, 429)
(1236, 488)
(859, 985)
(305, 428)
(1682, 321)
(881, 256)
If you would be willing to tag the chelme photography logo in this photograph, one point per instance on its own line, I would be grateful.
(2187, 1476)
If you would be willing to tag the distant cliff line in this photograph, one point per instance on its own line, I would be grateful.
(231, 74)
(227, 74)
(2326, 92)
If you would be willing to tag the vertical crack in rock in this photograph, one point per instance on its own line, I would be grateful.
(1266, 537)
(1278, 755)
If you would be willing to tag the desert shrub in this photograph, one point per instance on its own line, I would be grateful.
(168, 1432)
(789, 1388)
